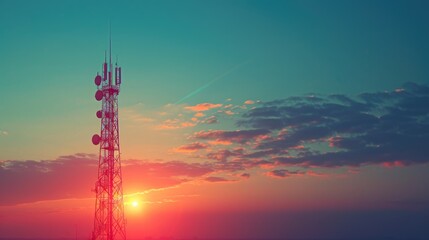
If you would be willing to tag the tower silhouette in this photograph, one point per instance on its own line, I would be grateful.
(109, 220)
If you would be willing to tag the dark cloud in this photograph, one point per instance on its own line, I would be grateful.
(282, 173)
(216, 179)
(335, 130)
(224, 154)
(263, 153)
(245, 175)
(239, 136)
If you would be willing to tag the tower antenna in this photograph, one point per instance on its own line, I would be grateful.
(110, 45)
(109, 219)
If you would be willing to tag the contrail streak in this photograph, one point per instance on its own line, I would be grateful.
(198, 90)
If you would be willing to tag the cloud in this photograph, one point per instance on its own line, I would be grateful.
(228, 112)
(192, 147)
(239, 136)
(74, 176)
(210, 120)
(3, 133)
(171, 124)
(282, 173)
(223, 155)
(393, 164)
(220, 142)
(203, 107)
(389, 128)
(245, 175)
(27, 181)
(249, 102)
(199, 114)
(216, 179)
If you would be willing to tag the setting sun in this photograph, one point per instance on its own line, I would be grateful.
(135, 203)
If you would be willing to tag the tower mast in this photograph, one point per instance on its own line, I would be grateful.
(109, 220)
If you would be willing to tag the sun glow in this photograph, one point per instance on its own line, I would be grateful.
(134, 207)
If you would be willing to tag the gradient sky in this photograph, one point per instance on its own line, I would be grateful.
(263, 119)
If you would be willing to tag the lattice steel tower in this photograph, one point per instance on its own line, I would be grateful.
(109, 221)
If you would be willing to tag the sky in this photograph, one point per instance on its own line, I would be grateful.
(238, 119)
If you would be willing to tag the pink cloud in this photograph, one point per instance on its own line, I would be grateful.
(187, 124)
(203, 107)
(170, 124)
(229, 112)
(298, 147)
(74, 176)
(220, 142)
(396, 163)
(316, 174)
(192, 147)
(199, 114)
(249, 102)
(333, 141)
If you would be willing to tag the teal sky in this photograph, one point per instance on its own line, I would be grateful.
(260, 50)
(170, 48)
(51, 50)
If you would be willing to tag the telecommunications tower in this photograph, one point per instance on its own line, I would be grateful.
(109, 220)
